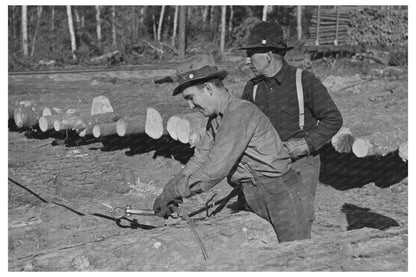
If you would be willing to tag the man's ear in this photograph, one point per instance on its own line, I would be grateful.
(269, 56)
(208, 87)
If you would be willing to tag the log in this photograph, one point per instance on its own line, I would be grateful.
(403, 152)
(105, 129)
(171, 126)
(343, 140)
(100, 105)
(189, 125)
(150, 123)
(105, 58)
(69, 121)
(154, 124)
(27, 113)
(371, 145)
(46, 122)
(82, 119)
(97, 119)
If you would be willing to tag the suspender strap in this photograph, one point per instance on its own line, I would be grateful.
(254, 92)
(299, 90)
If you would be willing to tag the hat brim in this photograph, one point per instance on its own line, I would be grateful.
(217, 75)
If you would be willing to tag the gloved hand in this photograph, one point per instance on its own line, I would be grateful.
(297, 148)
(173, 192)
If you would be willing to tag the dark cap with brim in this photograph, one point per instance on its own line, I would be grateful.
(266, 35)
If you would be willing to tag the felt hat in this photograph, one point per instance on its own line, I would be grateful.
(266, 34)
(196, 69)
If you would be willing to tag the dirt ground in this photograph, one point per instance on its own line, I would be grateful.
(361, 205)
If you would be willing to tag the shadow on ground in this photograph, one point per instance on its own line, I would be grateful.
(358, 218)
(142, 143)
(345, 171)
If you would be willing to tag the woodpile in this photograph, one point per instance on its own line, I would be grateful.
(101, 118)
(368, 25)
(330, 26)
(379, 27)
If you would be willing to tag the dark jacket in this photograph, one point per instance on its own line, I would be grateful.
(277, 98)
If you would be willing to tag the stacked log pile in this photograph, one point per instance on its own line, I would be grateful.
(379, 27)
(345, 25)
(330, 26)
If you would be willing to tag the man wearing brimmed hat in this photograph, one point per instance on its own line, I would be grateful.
(241, 144)
(296, 102)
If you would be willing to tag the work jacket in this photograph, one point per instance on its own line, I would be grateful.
(239, 137)
(277, 98)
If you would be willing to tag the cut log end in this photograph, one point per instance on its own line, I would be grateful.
(362, 148)
(57, 125)
(43, 124)
(343, 141)
(121, 127)
(46, 111)
(171, 126)
(18, 119)
(403, 151)
(154, 123)
(183, 129)
(96, 131)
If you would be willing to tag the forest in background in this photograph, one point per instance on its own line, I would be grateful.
(88, 35)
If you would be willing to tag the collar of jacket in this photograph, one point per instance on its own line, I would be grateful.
(280, 75)
(224, 102)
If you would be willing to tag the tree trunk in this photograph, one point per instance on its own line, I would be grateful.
(82, 19)
(175, 25)
(230, 22)
(98, 19)
(133, 23)
(113, 25)
(77, 19)
(182, 31)
(159, 29)
(211, 17)
(264, 17)
(154, 27)
(39, 16)
(204, 15)
(53, 18)
(222, 40)
(299, 22)
(24, 32)
(71, 32)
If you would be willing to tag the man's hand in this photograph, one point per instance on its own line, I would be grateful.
(297, 148)
(174, 191)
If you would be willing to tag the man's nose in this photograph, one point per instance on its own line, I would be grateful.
(248, 60)
(191, 104)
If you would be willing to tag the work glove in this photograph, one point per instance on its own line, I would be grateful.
(172, 194)
(297, 148)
